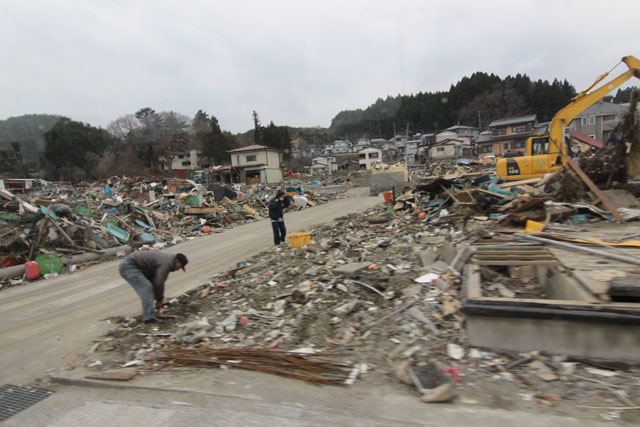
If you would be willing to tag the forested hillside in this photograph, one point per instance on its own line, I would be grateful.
(473, 101)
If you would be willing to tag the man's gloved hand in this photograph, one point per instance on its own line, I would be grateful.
(159, 304)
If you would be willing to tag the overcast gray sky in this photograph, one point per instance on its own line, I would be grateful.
(297, 63)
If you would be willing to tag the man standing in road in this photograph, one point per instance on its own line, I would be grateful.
(276, 205)
(146, 272)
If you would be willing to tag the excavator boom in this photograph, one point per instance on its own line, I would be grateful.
(545, 154)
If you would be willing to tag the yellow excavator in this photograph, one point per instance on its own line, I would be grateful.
(546, 153)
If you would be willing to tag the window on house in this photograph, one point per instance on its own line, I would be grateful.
(519, 129)
(500, 131)
(592, 120)
(505, 145)
(186, 163)
(609, 117)
(486, 149)
(252, 158)
(440, 149)
(518, 144)
(373, 155)
(237, 159)
(362, 156)
(584, 121)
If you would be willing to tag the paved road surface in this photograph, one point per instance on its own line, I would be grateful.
(46, 324)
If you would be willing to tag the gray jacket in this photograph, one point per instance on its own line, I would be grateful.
(155, 266)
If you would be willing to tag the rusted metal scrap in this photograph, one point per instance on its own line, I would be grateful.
(316, 368)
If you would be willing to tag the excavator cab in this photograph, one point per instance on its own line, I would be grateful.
(539, 146)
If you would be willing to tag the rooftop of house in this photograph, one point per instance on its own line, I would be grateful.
(254, 147)
(459, 128)
(513, 120)
(602, 107)
(583, 137)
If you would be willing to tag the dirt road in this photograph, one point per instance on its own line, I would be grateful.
(45, 325)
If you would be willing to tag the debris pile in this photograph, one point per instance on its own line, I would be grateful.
(385, 288)
(55, 225)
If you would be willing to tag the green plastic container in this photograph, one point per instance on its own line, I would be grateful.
(83, 210)
(49, 263)
(193, 201)
(10, 216)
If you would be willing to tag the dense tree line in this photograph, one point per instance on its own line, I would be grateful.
(271, 136)
(622, 96)
(131, 145)
(473, 101)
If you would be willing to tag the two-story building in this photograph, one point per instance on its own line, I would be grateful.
(599, 120)
(253, 164)
(369, 156)
(342, 147)
(506, 136)
(182, 163)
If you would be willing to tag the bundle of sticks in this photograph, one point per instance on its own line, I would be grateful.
(316, 368)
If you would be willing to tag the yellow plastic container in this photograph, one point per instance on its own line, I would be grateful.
(297, 240)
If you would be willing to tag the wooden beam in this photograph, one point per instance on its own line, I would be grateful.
(515, 262)
(65, 235)
(574, 166)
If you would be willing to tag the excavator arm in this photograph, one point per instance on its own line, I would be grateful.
(585, 99)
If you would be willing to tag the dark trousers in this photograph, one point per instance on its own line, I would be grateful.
(279, 232)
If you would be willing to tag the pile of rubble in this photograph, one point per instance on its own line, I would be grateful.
(385, 289)
(56, 225)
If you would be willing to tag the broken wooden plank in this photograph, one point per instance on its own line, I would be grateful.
(120, 375)
(516, 262)
(202, 211)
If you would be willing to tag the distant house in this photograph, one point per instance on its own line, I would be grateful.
(182, 163)
(253, 164)
(323, 165)
(463, 132)
(342, 147)
(399, 139)
(378, 142)
(360, 144)
(599, 120)
(506, 136)
(584, 142)
(407, 150)
(369, 156)
(450, 149)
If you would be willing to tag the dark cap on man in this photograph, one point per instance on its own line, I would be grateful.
(183, 260)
